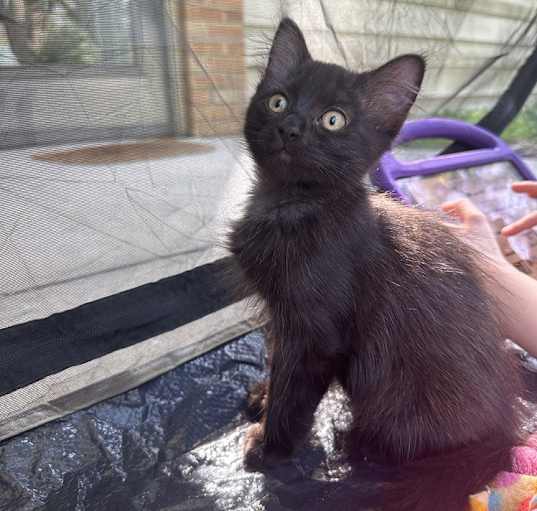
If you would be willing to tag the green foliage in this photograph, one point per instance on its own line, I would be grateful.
(51, 32)
(522, 128)
(67, 44)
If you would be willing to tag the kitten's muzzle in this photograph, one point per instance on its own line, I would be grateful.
(291, 129)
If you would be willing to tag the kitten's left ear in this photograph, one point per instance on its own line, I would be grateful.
(392, 89)
(288, 51)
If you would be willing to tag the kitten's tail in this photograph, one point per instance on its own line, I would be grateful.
(444, 482)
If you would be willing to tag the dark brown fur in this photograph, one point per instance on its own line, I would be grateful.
(360, 289)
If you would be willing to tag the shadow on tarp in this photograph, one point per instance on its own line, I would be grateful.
(176, 443)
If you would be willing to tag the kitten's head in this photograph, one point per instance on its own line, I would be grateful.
(316, 123)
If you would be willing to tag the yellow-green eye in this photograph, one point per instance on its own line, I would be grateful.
(277, 103)
(333, 120)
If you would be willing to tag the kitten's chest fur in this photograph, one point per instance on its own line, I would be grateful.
(299, 252)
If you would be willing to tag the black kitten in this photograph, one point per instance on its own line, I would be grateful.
(360, 289)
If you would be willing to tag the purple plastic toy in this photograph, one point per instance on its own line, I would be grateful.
(487, 149)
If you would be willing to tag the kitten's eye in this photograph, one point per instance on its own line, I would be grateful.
(333, 120)
(277, 103)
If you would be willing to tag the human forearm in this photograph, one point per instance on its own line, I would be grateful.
(516, 294)
(514, 291)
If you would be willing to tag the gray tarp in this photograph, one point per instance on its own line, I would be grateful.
(175, 443)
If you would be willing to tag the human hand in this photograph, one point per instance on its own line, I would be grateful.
(514, 292)
(474, 228)
(528, 221)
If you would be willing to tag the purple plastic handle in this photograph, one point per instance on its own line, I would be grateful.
(488, 149)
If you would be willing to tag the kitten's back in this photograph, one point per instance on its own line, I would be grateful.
(435, 390)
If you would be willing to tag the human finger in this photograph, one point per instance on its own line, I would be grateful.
(528, 187)
(464, 210)
(526, 222)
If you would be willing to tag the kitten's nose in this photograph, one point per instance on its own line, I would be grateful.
(290, 129)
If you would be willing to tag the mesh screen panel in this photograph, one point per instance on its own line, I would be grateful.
(83, 221)
(122, 161)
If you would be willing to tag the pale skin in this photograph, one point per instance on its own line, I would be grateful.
(516, 291)
(528, 221)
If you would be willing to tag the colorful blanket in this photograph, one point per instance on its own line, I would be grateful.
(516, 490)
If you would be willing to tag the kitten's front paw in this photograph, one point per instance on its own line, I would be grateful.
(256, 455)
(254, 448)
(257, 399)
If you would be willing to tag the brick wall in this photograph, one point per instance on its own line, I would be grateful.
(214, 65)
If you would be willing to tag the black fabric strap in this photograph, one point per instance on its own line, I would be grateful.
(30, 351)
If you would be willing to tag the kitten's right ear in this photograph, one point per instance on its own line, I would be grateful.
(392, 90)
(288, 51)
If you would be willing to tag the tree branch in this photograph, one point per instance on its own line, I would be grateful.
(510, 102)
(506, 49)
